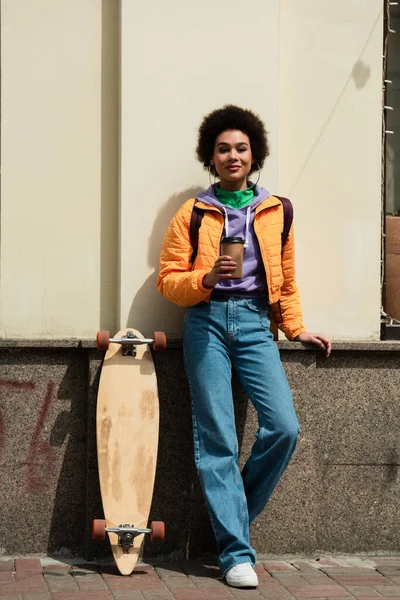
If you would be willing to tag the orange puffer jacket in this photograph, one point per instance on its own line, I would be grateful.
(181, 282)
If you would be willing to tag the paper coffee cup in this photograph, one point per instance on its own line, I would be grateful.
(234, 247)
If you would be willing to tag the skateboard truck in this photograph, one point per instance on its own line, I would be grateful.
(129, 342)
(127, 532)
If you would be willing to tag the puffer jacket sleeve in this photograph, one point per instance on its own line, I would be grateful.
(176, 280)
(287, 313)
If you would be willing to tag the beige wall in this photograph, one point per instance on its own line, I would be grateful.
(52, 189)
(330, 158)
(181, 60)
(311, 70)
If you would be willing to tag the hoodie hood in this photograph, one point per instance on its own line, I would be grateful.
(237, 221)
(208, 197)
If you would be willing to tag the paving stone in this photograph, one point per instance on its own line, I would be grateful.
(157, 595)
(373, 579)
(388, 590)
(356, 561)
(108, 571)
(134, 583)
(145, 570)
(13, 596)
(38, 596)
(205, 582)
(128, 595)
(28, 576)
(169, 570)
(26, 564)
(25, 584)
(278, 565)
(81, 596)
(388, 561)
(329, 562)
(6, 576)
(268, 581)
(174, 583)
(290, 579)
(318, 591)
(348, 574)
(86, 567)
(90, 582)
(199, 570)
(6, 565)
(57, 574)
(386, 598)
(318, 579)
(49, 562)
(359, 591)
(202, 594)
(304, 566)
(242, 594)
(56, 569)
(264, 576)
(274, 592)
(348, 571)
(62, 584)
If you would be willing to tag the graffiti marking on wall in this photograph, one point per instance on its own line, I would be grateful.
(41, 457)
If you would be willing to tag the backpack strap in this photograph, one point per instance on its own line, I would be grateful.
(198, 214)
(287, 218)
(195, 222)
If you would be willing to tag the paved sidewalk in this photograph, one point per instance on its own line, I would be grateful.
(292, 578)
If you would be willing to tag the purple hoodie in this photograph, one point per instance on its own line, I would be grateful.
(240, 223)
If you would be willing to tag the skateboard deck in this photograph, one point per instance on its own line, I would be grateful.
(127, 427)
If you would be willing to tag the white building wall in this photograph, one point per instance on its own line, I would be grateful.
(312, 70)
(55, 170)
(180, 60)
(330, 158)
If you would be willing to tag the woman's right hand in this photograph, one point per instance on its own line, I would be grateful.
(222, 269)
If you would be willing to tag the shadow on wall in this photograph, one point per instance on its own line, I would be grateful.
(360, 74)
(178, 498)
(162, 311)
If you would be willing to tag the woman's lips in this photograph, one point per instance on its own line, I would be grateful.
(233, 168)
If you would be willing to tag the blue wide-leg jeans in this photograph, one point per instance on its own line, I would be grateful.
(226, 333)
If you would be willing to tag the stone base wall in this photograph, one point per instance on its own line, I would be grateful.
(340, 493)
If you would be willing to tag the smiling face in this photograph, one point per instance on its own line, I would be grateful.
(232, 159)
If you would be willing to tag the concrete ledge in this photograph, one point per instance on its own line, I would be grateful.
(172, 344)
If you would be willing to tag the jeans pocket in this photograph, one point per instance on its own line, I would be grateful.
(259, 307)
(262, 313)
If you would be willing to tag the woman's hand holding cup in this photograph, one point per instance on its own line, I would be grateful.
(222, 269)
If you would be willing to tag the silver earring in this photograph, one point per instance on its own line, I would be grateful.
(211, 171)
(259, 174)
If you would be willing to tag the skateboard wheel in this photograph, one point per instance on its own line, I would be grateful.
(103, 340)
(159, 341)
(157, 531)
(99, 529)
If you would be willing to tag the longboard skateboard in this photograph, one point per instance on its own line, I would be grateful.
(127, 426)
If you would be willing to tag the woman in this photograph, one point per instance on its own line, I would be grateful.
(227, 325)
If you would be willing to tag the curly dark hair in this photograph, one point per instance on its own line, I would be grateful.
(232, 117)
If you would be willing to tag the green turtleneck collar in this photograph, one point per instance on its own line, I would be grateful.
(235, 199)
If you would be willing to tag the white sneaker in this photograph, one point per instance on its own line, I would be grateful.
(242, 575)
